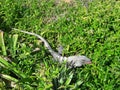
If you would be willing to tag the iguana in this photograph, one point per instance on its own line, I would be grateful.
(72, 61)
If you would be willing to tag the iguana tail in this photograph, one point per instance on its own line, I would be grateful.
(41, 38)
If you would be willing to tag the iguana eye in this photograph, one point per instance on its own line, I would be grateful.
(83, 60)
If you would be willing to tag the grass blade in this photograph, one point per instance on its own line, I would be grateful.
(7, 77)
(69, 79)
(2, 43)
(14, 40)
(11, 67)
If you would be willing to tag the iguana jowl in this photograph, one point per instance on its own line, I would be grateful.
(72, 61)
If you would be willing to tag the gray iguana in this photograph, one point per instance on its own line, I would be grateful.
(72, 61)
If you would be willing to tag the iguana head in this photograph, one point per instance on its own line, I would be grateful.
(78, 61)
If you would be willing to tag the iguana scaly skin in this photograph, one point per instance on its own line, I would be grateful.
(72, 61)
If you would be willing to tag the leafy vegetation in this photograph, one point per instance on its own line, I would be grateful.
(92, 30)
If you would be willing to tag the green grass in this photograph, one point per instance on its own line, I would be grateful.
(93, 31)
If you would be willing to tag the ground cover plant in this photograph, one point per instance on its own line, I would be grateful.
(90, 28)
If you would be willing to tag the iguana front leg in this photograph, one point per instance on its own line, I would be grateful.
(60, 49)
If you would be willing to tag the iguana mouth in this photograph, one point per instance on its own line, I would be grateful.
(88, 62)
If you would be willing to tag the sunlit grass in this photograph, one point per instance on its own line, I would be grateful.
(93, 31)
